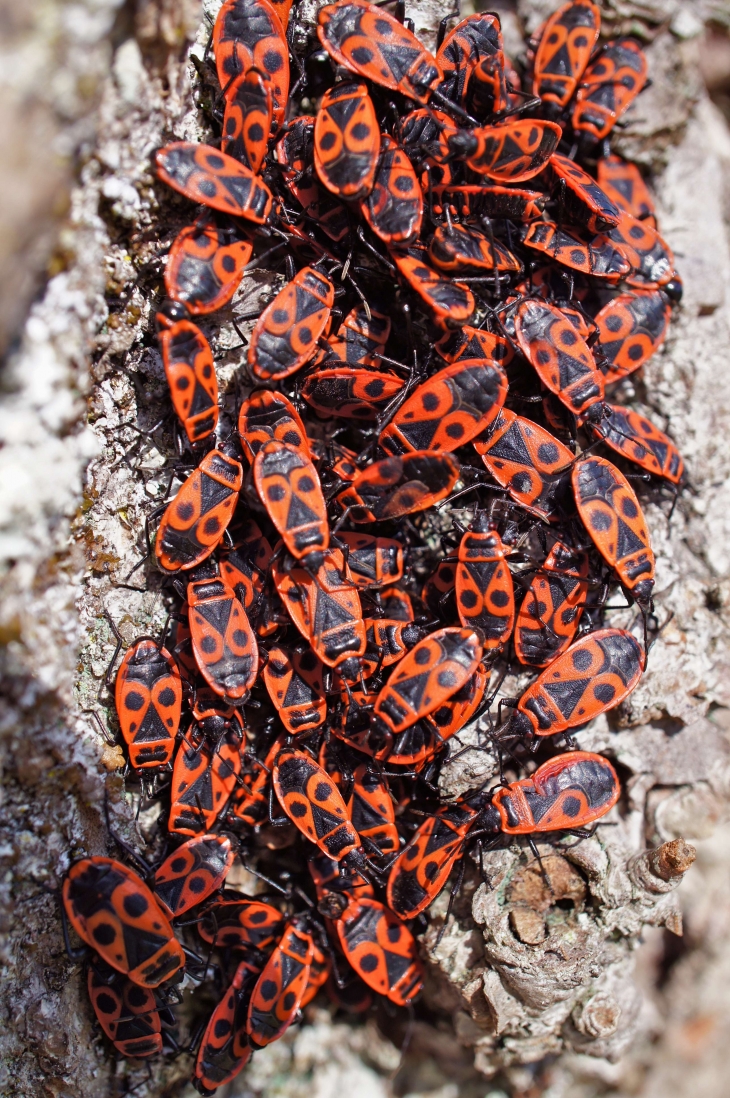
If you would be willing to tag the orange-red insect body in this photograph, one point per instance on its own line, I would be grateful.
(611, 514)
(314, 804)
(370, 42)
(196, 519)
(128, 1014)
(326, 609)
(294, 682)
(398, 486)
(223, 642)
(527, 460)
(192, 873)
(248, 34)
(381, 949)
(285, 335)
(289, 488)
(204, 775)
(113, 911)
(595, 674)
(190, 373)
(148, 700)
(551, 610)
(206, 264)
(224, 1048)
(347, 141)
(279, 990)
(566, 41)
(249, 111)
(448, 410)
(206, 175)
(266, 416)
(561, 357)
(485, 596)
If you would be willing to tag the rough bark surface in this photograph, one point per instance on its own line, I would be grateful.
(543, 992)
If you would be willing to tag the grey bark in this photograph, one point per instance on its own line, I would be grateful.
(540, 990)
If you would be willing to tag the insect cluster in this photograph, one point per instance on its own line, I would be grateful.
(469, 270)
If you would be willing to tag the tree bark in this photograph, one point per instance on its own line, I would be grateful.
(540, 990)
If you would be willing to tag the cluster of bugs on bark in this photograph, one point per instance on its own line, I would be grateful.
(471, 275)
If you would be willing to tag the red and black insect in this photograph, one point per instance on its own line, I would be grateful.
(470, 342)
(196, 519)
(381, 949)
(350, 392)
(450, 303)
(369, 41)
(636, 438)
(580, 200)
(422, 740)
(397, 486)
(244, 567)
(512, 152)
(206, 264)
(372, 811)
(326, 609)
(294, 682)
(192, 873)
(206, 175)
(223, 642)
(266, 416)
(314, 804)
(128, 1014)
(631, 328)
(595, 674)
(190, 372)
(560, 356)
(394, 207)
(373, 561)
(624, 184)
(295, 154)
(148, 700)
(242, 924)
(527, 460)
(250, 804)
(474, 44)
(570, 791)
(608, 87)
(448, 409)
(278, 993)
(485, 596)
(225, 1048)
(289, 488)
(566, 41)
(479, 200)
(429, 675)
(360, 339)
(204, 775)
(611, 514)
(551, 610)
(247, 119)
(347, 141)
(598, 257)
(285, 335)
(649, 257)
(113, 911)
(249, 35)
(464, 250)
